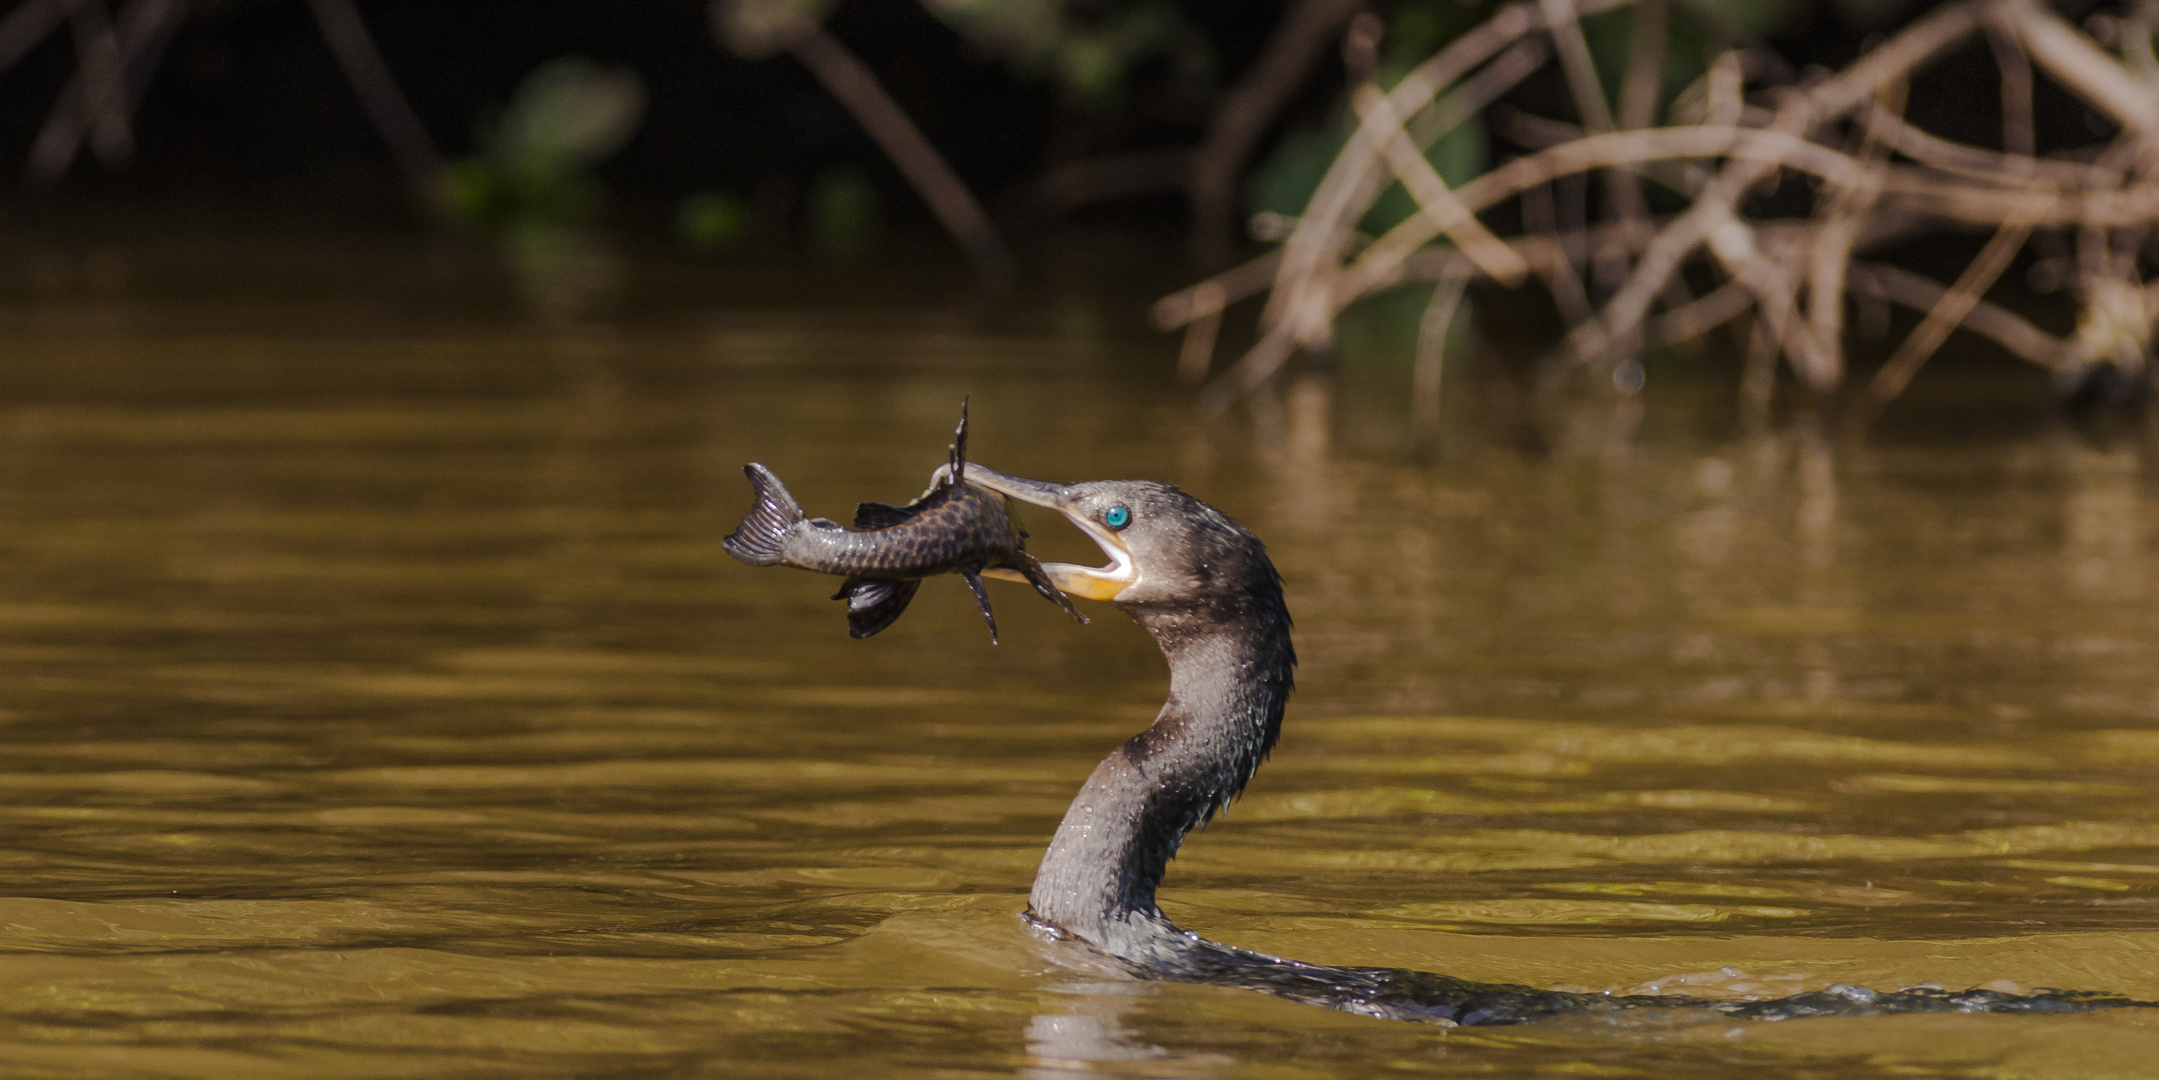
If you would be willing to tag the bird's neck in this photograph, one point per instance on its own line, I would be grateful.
(1230, 675)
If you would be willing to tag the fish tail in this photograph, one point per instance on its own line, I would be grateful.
(762, 536)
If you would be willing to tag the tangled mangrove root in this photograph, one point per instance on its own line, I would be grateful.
(1618, 281)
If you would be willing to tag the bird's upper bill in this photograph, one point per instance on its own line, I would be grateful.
(1090, 582)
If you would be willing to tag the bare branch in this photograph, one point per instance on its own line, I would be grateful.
(1475, 93)
(1582, 82)
(1448, 215)
(1644, 83)
(1313, 292)
(1720, 306)
(377, 89)
(1622, 189)
(1892, 60)
(1915, 190)
(1973, 163)
(1626, 147)
(2019, 136)
(1794, 275)
(1215, 293)
(2081, 66)
(1432, 329)
(1950, 310)
(104, 99)
(146, 27)
(1197, 355)
(1351, 183)
(1245, 112)
(1541, 219)
(2008, 329)
(849, 80)
(1112, 176)
(1842, 216)
(1775, 288)
(28, 24)
(1638, 96)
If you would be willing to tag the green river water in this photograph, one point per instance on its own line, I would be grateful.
(376, 700)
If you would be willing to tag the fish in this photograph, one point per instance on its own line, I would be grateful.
(954, 527)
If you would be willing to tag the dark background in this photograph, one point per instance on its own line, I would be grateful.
(249, 106)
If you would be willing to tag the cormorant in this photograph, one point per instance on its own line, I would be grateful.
(1205, 589)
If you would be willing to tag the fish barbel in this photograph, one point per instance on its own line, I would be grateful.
(955, 527)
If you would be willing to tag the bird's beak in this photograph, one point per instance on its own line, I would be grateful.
(1091, 582)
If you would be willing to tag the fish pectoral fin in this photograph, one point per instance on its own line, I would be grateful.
(1031, 568)
(872, 605)
(877, 515)
(982, 597)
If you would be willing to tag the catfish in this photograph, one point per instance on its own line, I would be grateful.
(954, 528)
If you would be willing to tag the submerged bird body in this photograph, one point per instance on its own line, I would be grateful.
(1206, 591)
(954, 528)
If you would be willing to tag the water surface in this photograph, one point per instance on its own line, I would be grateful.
(376, 700)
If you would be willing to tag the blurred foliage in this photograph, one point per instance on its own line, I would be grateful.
(1089, 49)
(712, 221)
(844, 211)
(1418, 28)
(759, 28)
(535, 163)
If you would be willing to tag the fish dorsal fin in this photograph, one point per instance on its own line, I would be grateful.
(877, 515)
(959, 448)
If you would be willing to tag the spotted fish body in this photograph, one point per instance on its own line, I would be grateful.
(955, 527)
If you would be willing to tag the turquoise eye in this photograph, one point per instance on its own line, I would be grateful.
(1117, 517)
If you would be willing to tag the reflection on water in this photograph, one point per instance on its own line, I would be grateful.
(379, 702)
(2105, 544)
(1089, 1032)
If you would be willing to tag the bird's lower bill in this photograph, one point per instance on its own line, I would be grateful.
(1089, 582)
(1082, 581)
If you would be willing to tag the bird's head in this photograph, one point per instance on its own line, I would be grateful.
(1166, 549)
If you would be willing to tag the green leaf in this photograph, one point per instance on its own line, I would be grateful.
(569, 113)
